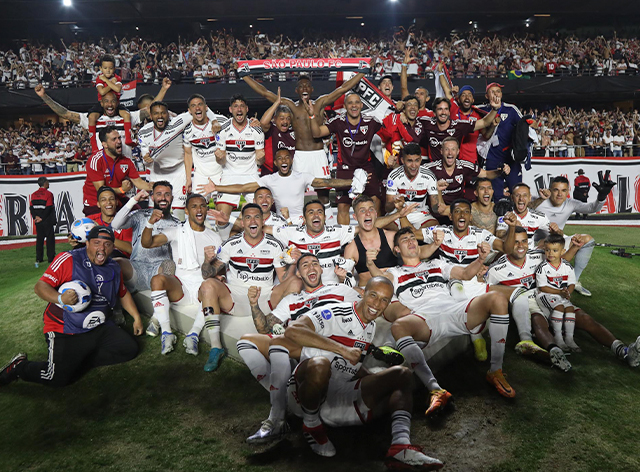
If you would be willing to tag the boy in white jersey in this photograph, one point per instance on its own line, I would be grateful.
(555, 282)
(253, 258)
(433, 314)
(240, 152)
(193, 246)
(200, 144)
(328, 386)
(414, 184)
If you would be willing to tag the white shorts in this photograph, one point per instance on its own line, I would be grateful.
(241, 305)
(473, 288)
(343, 405)
(315, 163)
(178, 181)
(419, 217)
(190, 288)
(449, 320)
(547, 302)
(200, 179)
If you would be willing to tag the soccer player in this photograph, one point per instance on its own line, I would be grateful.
(267, 356)
(310, 154)
(558, 207)
(354, 133)
(193, 246)
(287, 186)
(500, 154)
(109, 167)
(482, 214)
(240, 152)
(200, 144)
(278, 133)
(421, 93)
(86, 338)
(442, 126)
(330, 387)
(555, 282)
(108, 204)
(253, 258)
(413, 183)
(427, 312)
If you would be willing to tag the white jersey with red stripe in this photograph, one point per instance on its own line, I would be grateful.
(251, 264)
(417, 286)
(117, 122)
(241, 146)
(459, 250)
(342, 324)
(555, 277)
(413, 190)
(535, 222)
(506, 272)
(327, 246)
(164, 147)
(295, 305)
(203, 146)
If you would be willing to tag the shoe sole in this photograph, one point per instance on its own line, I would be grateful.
(500, 389)
(267, 440)
(537, 354)
(448, 403)
(189, 351)
(395, 464)
(558, 360)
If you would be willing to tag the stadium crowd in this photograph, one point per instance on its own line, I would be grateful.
(424, 235)
(214, 58)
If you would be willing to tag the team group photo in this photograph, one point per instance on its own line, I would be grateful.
(349, 236)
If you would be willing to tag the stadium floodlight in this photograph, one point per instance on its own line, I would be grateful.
(66, 3)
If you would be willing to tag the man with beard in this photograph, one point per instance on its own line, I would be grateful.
(86, 338)
(482, 214)
(276, 125)
(194, 248)
(200, 144)
(108, 167)
(148, 262)
(161, 145)
(404, 127)
(442, 126)
(287, 186)
(310, 154)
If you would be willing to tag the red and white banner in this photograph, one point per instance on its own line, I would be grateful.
(356, 64)
(625, 172)
(128, 96)
(15, 198)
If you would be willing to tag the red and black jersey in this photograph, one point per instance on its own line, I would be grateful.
(463, 172)
(275, 140)
(42, 206)
(433, 135)
(354, 141)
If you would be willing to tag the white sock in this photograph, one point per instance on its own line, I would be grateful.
(569, 326)
(161, 305)
(556, 319)
(280, 373)
(311, 418)
(198, 323)
(619, 349)
(400, 427)
(257, 363)
(414, 355)
(521, 314)
(212, 324)
(498, 331)
(328, 213)
(582, 258)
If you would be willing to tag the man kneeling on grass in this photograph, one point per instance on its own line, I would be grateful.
(87, 338)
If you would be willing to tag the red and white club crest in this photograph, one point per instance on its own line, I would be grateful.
(460, 254)
(253, 264)
(451, 132)
(241, 144)
(364, 129)
(313, 248)
(311, 303)
(527, 281)
(459, 179)
(124, 167)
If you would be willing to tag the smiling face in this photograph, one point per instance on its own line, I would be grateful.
(450, 151)
(99, 250)
(314, 218)
(484, 192)
(282, 162)
(107, 204)
(521, 197)
(353, 105)
(304, 89)
(239, 110)
(264, 199)
(407, 246)
(412, 164)
(160, 117)
(461, 217)
(386, 87)
(197, 211)
(442, 112)
(162, 198)
(559, 193)
(520, 247)
(376, 299)
(283, 121)
(252, 222)
(466, 100)
(366, 215)
(198, 109)
(310, 271)
(411, 108)
(109, 104)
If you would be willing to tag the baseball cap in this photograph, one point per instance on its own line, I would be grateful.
(466, 87)
(493, 84)
(101, 232)
(580, 172)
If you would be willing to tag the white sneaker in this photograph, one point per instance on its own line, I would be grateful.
(168, 341)
(406, 456)
(581, 290)
(318, 440)
(191, 344)
(153, 328)
(559, 360)
(571, 344)
(633, 353)
(270, 431)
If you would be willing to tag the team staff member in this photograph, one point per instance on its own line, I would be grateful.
(581, 187)
(44, 215)
(111, 168)
(88, 336)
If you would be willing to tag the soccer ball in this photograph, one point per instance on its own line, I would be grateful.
(82, 290)
(80, 229)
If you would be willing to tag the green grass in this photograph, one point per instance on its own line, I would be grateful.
(165, 413)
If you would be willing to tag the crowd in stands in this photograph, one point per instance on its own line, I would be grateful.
(214, 58)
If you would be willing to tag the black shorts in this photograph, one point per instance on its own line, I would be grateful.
(373, 187)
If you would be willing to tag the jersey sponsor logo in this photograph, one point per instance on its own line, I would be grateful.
(348, 142)
(326, 314)
(253, 264)
(360, 345)
(434, 142)
(93, 319)
(417, 292)
(339, 364)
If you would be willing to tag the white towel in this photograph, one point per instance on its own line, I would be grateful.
(187, 257)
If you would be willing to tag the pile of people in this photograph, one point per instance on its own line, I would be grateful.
(214, 58)
(419, 238)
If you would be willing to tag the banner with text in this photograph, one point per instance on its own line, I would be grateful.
(354, 64)
(625, 172)
(128, 97)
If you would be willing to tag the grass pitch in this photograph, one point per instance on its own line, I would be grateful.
(165, 413)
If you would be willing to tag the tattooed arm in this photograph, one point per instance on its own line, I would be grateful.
(264, 323)
(61, 111)
(211, 266)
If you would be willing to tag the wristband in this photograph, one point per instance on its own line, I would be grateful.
(123, 192)
(60, 299)
(148, 225)
(404, 64)
(288, 220)
(312, 117)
